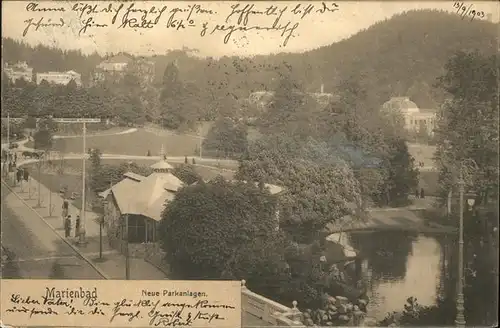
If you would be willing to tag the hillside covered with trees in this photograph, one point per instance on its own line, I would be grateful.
(402, 55)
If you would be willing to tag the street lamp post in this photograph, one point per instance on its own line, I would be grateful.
(84, 121)
(83, 224)
(39, 166)
(8, 140)
(127, 255)
(460, 317)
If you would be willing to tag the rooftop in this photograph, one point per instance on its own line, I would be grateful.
(162, 165)
(403, 104)
(120, 58)
(273, 189)
(137, 194)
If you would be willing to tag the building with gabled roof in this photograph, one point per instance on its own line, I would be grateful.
(115, 63)
(134, 206)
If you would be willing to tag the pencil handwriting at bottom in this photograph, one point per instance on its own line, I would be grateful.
(169, 319)
(208, 316)
(128, 315)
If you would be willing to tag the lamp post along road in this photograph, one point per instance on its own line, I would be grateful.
(8, 139)
(460, 319)
(127, 255)
(39, 166)
(84, 121)
(82, 232)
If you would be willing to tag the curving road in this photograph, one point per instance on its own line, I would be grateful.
(203, 162)
(212, 162)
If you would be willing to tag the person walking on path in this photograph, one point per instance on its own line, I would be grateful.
(67, 226)
(19, 175)
(77, 226)
(417, 194)
(65, 206)
(422, 195)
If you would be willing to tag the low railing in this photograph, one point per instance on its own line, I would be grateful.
(268, 310)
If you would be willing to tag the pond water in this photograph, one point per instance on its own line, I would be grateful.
(398, 265)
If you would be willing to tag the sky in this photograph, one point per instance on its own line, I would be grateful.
(314, 30)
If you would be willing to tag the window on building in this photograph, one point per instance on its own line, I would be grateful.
(136, 229)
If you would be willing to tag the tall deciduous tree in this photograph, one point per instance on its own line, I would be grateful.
(95, 169)
(402, 179)
(320, 188)
(287, 112)
(469, 122)
(221, 230)
(226, 138)
(43, 139)
(187, 174)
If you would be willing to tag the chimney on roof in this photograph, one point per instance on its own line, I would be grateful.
(322, 88)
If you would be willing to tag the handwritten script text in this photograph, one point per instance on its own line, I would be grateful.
(233, 21)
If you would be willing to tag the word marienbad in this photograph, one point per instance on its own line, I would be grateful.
(70, 293)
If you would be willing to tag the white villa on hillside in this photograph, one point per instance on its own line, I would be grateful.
(415, 119)
(19, 71)
(61, 78)
(264, 98)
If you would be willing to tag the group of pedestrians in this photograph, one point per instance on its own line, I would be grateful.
(68, 224)
(9, 161)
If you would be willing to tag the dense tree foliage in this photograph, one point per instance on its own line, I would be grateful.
(226, 139)
(187, 174)
(424, 41)
(289, 111)
(320, 187)
(229, 233)
(15, 129)
(102, 176)
(43, 139)
(45, 59)
(59, 101)
(468, 124)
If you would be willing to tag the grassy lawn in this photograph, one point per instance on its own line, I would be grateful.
(429, 181)
(422, 153)
(72, 177)
(136, 143)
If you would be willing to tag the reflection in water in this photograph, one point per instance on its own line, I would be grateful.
(398, 265)
(387, 253)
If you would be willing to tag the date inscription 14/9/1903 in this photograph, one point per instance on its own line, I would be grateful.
(465, 10)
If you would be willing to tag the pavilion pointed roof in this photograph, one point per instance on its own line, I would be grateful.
(161, 165)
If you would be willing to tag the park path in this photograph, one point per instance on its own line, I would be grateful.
(34, 247)
(50, 213)
(132, 130)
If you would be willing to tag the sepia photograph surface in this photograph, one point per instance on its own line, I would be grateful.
(249, 164)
